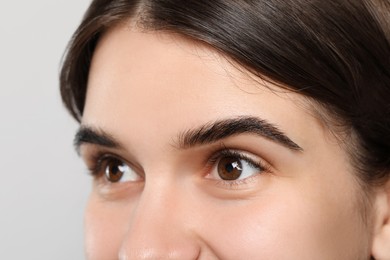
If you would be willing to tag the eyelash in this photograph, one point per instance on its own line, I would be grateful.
(100, 159)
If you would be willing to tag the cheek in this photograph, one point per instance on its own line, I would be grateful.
(106, 224)
(280, 225)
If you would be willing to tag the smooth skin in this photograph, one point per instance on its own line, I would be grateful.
(145, 90)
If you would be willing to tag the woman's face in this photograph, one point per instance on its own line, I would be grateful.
(195, 159)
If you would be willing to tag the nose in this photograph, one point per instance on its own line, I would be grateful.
(161, 226)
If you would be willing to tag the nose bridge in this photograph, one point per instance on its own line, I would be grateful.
(159, 226)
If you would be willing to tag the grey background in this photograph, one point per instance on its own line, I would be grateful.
(43, 183)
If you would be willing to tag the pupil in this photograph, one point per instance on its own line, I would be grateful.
(229, 167)
(114, 170)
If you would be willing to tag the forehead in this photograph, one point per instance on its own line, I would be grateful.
(141, 82)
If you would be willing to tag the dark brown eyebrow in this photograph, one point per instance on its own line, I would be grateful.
(91, 135)
(215, 131)
(205, 134)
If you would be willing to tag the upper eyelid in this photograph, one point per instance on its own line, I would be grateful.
(239, 153)
(93, 151)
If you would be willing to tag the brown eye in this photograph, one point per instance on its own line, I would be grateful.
(116, 170)
(229, 168)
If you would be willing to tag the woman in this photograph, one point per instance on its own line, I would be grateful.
(234, 129)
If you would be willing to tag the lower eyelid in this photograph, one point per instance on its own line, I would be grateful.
(237, 184)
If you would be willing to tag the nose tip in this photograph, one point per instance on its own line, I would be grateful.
(152, 243)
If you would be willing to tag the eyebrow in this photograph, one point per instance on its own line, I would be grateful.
(205, 134)
(218, 130)
(91, 135)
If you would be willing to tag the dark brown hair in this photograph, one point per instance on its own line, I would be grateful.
(335, 52)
